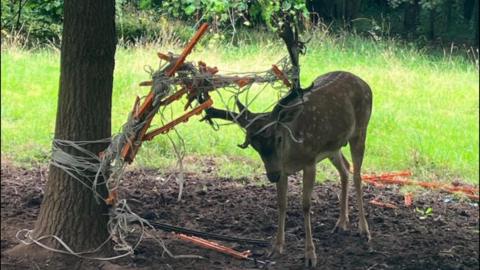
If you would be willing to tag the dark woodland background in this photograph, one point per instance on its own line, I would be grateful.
(424, 22)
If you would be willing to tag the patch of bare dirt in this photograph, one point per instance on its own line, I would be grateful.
(446, 239)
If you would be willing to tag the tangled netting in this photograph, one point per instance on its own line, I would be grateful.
(108, 168)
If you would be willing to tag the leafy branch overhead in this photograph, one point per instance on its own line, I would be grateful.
(286, 19)
(277, 13)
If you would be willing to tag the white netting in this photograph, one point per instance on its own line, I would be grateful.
(93, 170)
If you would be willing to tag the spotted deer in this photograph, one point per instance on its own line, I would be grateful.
(304, 128)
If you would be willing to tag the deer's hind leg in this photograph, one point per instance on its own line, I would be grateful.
(308, 182)
(357, 148)
(341, 164)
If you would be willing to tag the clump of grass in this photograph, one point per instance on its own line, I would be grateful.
(425, 117)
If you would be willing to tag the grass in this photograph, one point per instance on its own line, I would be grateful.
(425, 118)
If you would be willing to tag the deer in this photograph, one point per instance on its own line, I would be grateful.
(304, 128)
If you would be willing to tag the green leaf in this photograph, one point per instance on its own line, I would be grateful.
(223, 17)
(299, 6)
(189, 10)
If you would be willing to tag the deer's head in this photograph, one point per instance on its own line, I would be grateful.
(273, 134)
(268, 133)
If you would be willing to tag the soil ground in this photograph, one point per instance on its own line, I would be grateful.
(402, 239)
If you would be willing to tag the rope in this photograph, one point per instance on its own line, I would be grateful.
(171, 228)
(108, 169)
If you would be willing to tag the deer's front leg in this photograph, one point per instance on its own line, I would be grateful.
(308, 181)
(282, 211)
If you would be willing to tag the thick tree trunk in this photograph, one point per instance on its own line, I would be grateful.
(69, 210)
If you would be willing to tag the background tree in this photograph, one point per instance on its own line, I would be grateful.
(411, 16)
(69, 209)
(476, 25)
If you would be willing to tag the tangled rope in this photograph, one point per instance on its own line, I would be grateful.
(107, 168)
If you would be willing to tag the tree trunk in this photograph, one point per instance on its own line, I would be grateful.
(410, 18)
(324, 9)
(468, 8)
(346, 11)
(431, 32)
(351, 10)
(339, 10)
(476, 23)
(69, 210)
(19, 13)
(448, 8)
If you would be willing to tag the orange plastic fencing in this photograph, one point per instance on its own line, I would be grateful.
(383, 204)
(129, 150)
(214, 246)
(184, 118)
(400, 178)
(281, 76)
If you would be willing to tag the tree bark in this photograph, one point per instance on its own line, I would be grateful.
(431, 30)
(19, 13)
(410, 18)
(69, 210)
(468, 8)
(448, 8)
(324, 9)
(476, 23)
(352, 9)
(346, 11)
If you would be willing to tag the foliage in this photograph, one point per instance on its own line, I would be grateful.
(419, 20)
(217, 12)
(275, 12)
(424, 213)
(38, 19)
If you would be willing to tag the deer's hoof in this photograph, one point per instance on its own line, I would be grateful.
(365, 235)
(340, 227)
(363, 229)
(310, 259)
(276, 251)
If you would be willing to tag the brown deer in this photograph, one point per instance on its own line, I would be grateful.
(304, 128)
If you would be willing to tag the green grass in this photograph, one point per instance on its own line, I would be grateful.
(425, 118)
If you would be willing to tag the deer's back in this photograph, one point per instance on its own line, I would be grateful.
(337, 107)
(339, 94)
(341, 86)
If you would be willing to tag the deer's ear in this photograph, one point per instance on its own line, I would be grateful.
(245, 144)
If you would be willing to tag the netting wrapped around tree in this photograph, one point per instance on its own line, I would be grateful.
(173, 80)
